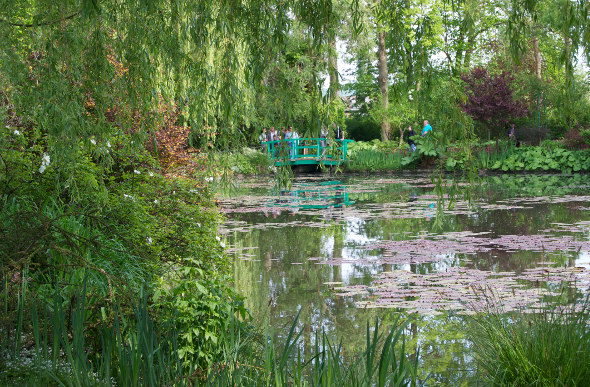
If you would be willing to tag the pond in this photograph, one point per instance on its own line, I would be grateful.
(344, 250)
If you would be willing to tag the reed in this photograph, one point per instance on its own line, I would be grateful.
(383, 362)
(551, 348)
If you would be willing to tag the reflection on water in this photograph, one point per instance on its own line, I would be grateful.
(297, 250)
(329, 196)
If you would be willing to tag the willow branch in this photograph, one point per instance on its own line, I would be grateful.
(46, 23)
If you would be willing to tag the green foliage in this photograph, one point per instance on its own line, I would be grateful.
(400, 113)
(362, 129)
(479, 155)
(333, 113)
(201, 306)
(375, 155)
(136, 350)
(382, 362)
(543, 349)
(114, 230)
(247, 161)
(374, 145)
(379, 155)
(540, 159)
(501, 155)
(370, 160)
(429, 145)
(551, 144)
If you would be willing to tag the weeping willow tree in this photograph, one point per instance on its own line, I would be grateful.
(81, 69)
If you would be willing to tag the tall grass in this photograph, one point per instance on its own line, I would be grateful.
(123, 349)
(551, 348)
(374, 160)
(383, 362)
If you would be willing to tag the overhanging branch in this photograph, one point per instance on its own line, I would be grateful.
(45, 23)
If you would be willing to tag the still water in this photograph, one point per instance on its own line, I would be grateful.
(344, 250)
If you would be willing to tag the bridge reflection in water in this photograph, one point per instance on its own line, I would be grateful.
(310, 196)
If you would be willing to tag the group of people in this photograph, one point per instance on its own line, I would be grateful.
(273, 135)
(425, 131)
(285, 134)
(289, 133)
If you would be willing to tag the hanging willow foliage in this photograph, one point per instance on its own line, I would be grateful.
(77, 69)
(573, 14)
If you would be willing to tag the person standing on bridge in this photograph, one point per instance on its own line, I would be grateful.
(262, 138)
(294, 142)
(338, 133)
(323, 135)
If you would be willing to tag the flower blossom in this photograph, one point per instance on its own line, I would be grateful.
(45, 161)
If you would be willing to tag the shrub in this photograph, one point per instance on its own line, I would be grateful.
(573, 139)
(362, 129)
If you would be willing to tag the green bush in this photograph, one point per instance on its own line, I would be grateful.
(108, 221)
(542, 159)
(360, 128)
(375, 155)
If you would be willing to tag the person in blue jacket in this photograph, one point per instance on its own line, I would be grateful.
(427, 128)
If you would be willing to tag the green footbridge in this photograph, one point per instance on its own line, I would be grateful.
(307, 151)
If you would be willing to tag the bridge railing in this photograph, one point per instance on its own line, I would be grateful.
(308, 149)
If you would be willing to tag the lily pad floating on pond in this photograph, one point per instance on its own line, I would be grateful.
(456, 289)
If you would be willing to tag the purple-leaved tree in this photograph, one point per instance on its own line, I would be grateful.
(489, 99)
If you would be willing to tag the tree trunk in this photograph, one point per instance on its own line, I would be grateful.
(538, 70)
(333, 69)
(382, 64)
(537, 56)
(569, 76)
(459, 51)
